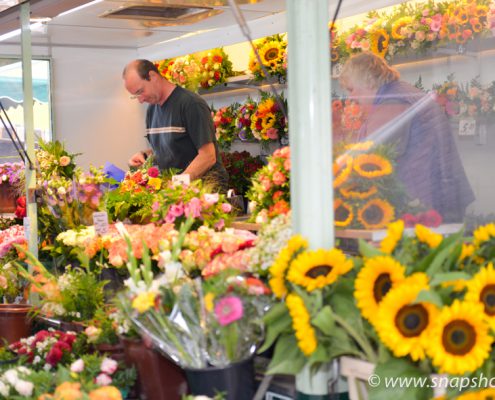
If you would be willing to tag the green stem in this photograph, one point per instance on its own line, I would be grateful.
(370, 354)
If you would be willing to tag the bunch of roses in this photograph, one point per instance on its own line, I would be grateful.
(225, 128)
(8, 237)
(15, 382)
(477, 100)
(448, 95)
(215, 68)
(185, 72)
(54, 161)
(241, 166)
(106, 368)
(270, 191)
(46, 349)
(347, 118)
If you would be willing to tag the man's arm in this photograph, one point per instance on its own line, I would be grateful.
(205, 159)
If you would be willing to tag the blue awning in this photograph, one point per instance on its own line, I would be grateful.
(11, 88)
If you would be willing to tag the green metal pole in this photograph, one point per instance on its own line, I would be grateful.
(27, 83)
(311, 145)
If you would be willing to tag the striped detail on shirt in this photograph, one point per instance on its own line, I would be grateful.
(166, 129)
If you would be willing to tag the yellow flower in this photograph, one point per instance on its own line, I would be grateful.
(483, 234)
(343, 213)
(271, 53)
(481, 289)
(372, 166)
(144, 301)
(376, 214)
(301, 322)
(358, 191)
(317, 269)
(155, 183)
(394, 235)
(403, 324)
(459, 340)
(425, 235)
(483, 394)
(342, 168)
(467, 251)
(376, 278)
(360, 146)
(208, 299)
(398, 25)
(379, 42)
(282, 262)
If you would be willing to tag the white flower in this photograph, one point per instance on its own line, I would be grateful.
(77, 366)
(47, 367)
(4, 389)
(103, 380)
(61, 191)
(109, 366)
(93, 333)
(11, 376)
(4, 177)
(24, 388)
(173, 271)
(36, 360)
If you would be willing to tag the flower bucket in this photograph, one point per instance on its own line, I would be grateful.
(7, 198)
(114, 351)
(158, 377)
(236, 381)
(15, 323)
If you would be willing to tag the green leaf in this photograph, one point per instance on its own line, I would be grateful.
(404, 381)
(324, 320)
(367, 250)
(279, 322)
(287, 358)
(429, 296)
(448, 276)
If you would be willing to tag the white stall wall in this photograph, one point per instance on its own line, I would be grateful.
(92, 112)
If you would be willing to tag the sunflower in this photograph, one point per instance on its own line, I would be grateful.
(282, 262)
(483, 234)
(372, 166)
(394, 235)
(268, 121)
(342, 168)
(376, 214)
(481, 289)
(403, 324)
(467, 251)
(301, 322)
(425, 235)
(376, 278)
(319, 268)
(459, 340)
(398, 25)
(343, 213)
(379, 42)
(271, 53)
(481, 11)
(354, 191)
(483, 394)
(253, 65)
(476, 25)
(360, 146)
(334, 54)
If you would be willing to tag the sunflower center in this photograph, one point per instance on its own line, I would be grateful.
(319, 270)
(342, 213)
(459, 337)
(271, 54)
(487, 297)
(381, 43)
(411, 320)
(373, 215)
(370, 167)
(381, 287)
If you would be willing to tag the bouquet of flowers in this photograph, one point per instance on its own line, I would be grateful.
(11, 173)
(448, 96)
(185, 72)
(347, 118)
(243, 119)
(215, 68)
(268, 123)
(225, 128)
(196, 322)
(273, 53)
(477, 101)
(270, 193)
(241, 166)
(164, 67)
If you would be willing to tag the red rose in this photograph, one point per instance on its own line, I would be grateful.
(21, 201)
(409, 220)
(54, 356)
(430, 218)
(20, 212)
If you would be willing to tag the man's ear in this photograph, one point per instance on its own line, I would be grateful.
(152, 74)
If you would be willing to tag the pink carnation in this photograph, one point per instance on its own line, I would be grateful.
(228, 310)
(153, 172)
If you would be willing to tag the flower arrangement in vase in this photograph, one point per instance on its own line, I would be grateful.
(243, 119)
(273, 54)
(268, 123)
(215, 67)
(224, 122)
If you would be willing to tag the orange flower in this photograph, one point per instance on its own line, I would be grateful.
(105, 393)
(68, 391)
(336, 106)
(280, 207)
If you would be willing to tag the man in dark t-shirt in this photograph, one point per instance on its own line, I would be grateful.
(179, 126)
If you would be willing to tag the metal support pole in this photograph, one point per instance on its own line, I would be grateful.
(27, 83)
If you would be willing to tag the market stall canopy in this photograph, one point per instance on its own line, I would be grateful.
(11, 90)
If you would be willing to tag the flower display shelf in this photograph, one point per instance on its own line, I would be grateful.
(240, 82)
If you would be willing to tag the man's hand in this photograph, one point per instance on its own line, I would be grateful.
(137, 159)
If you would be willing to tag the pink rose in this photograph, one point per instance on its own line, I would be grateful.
(77, 366)
(103, 380)
(278, 178)
(226, 207)
(210, 199)
(108, 366)
(64, 161)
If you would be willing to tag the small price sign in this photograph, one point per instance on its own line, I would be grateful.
(100, 221)
(467, 127)
(182, 179)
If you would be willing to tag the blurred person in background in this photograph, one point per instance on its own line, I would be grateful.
(399, 114)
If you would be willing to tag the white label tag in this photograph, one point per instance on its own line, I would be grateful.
(182, 179)
(467, 127)
(26, 222)
(100, 221)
